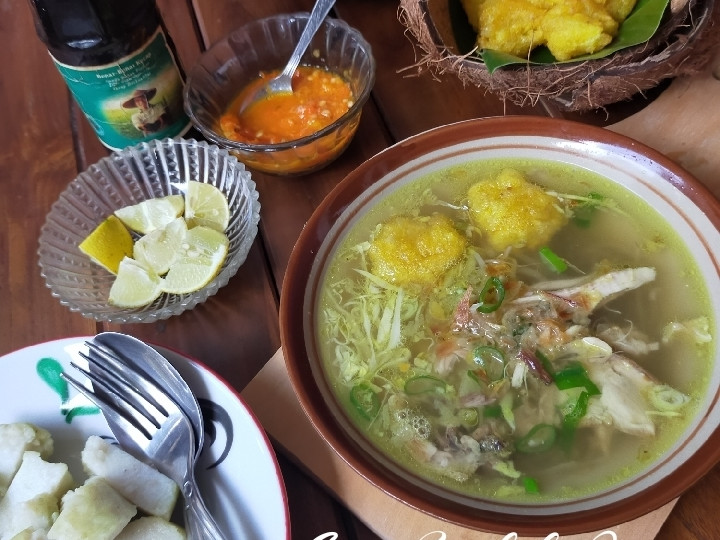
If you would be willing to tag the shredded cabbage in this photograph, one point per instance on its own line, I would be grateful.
(506, 468)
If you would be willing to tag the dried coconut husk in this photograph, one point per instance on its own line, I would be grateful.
(683, 44)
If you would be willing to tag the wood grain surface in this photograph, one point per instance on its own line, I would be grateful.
(45, 142)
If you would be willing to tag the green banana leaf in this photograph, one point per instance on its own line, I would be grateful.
(639, 27)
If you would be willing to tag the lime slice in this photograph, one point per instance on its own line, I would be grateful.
(108, 244)
(134, 285)
(206, 205)
(200, 258)
(159, 249)
(151, 214)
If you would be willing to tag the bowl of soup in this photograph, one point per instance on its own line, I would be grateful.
(282, 134)
(511, 324)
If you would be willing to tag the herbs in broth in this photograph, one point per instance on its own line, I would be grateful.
(521, 330)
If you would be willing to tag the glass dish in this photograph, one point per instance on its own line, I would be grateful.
(137, 173)
(266, 44)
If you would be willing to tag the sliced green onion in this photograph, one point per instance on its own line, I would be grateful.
(492, 411)
(665, 398)
(491, 296)
(582, 214)
(422, 384)
(539, 439)
(365, 400)
(531, 485)
(552, 260)
(572, 419)
(491, 360)
(575, 376)
(468, 417)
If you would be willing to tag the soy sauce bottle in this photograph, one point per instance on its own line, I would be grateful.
(118, 64)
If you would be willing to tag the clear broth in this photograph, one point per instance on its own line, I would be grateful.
(638, 236)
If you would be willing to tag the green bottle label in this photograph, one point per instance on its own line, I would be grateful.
(135, 99)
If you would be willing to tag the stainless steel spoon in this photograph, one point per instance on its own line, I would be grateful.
(142, 357)
(150, 425)
(119, 349)
(282, 83)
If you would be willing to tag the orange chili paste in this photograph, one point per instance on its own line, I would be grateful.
(319, 98)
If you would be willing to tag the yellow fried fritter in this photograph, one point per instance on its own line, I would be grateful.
(512, 212)
(415, 250)
(619, 9)
(569, 28)
(570, 32)
(510, 26)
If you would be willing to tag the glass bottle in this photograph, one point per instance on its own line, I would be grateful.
(117, 62)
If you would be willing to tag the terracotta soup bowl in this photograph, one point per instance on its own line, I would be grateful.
(426, 386)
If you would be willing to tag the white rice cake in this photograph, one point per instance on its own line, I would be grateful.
(15, 439)
(152, 527)
(32, 498)
(94, 510)
(145, 487)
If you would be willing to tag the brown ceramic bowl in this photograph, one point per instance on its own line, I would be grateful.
(686, 204)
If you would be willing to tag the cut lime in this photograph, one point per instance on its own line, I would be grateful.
(206, 205)
(159, 249)
(200, 258)
(134, 285)
(146, 216)
(108, 244)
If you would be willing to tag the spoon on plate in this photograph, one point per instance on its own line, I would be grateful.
(141, 357)
(282, 83)
(140, 405)
(121, 350)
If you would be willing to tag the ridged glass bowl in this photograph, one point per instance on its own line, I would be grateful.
(135, 174)
(266, 44)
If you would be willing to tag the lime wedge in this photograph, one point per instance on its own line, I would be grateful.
(108, 244)
(146, 216)
(159, 249)
(201, 256)
(134, 285)
(207, 206)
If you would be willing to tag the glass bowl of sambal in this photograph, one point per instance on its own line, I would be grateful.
(286, 134)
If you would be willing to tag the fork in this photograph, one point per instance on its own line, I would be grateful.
(122, 352)
(150, 425)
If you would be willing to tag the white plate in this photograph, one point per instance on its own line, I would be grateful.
(238, 472)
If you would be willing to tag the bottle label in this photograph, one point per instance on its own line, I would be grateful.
(135, 99)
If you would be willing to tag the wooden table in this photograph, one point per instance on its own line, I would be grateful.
(46, 142)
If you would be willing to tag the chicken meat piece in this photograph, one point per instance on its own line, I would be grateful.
(622, 386)
(585, 298)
